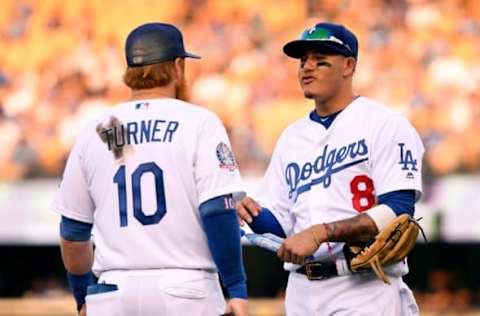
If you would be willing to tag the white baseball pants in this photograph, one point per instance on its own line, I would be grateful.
(158, 292)
(349, 295)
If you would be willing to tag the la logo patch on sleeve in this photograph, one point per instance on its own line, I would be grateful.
(406, 161)
(225, 157)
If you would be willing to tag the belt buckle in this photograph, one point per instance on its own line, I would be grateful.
(309, 271)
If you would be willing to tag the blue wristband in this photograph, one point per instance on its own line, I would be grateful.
(266, 222)
(78, 285)
(238, 290)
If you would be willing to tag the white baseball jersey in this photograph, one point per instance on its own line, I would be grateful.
(144, 203)
(318, 175)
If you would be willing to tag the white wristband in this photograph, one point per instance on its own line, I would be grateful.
(382, 215)
(342, 267)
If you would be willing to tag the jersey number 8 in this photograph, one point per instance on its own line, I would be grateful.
(138, 213)
(362, 190)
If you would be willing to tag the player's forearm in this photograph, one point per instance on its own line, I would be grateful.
(360, 228)
(77, 256)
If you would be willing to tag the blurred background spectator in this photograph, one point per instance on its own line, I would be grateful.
(61, 64)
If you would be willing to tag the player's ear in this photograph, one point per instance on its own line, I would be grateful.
(349, 65)
(179, 68)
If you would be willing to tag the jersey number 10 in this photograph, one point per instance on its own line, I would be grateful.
(138, 213)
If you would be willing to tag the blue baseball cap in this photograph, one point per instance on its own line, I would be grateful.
(153, 43)
(326, 37)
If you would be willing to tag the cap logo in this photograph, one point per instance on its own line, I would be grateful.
(323, 34)
(317, 33)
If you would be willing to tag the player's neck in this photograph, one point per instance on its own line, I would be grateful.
(335, 104)
(154, 93)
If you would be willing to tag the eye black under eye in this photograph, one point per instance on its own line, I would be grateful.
(319, 63)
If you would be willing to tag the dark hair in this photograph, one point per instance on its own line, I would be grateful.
(149, 76)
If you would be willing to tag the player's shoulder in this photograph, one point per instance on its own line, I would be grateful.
(191, 115)
(296, 125)
(197, 112)
(89, 131)
(186, 110)
(381, 119)
(370, 106)
(294, 130)
(371, 110)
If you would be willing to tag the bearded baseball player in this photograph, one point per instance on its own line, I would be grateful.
(337, 176)
(153, 177)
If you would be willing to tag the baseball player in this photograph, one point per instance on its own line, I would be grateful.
(153, 177)
(336, 176)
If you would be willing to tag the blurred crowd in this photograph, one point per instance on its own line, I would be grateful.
(61, 64)
(446, 291)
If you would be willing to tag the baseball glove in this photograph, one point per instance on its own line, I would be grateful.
(390, 246)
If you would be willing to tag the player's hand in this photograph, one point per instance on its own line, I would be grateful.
(246, 208)
(299, 246)
(237, 307)
(83, 311)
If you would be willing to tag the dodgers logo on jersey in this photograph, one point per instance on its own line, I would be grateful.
(331, 161)
(406, 160)
(225, 157)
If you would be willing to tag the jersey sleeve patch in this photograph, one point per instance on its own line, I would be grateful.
(225, 157)
(406, 161)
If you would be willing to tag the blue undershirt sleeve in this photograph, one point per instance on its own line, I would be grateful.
(73, 230)
(221, 226)
(401, 202)
(266, 222)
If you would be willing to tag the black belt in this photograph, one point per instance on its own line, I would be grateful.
(318, 270)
